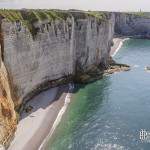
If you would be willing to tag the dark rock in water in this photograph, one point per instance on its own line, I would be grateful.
(116, 68)
(96, 72)
(93, 73)
(147, 68)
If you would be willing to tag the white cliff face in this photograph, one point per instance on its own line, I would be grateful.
(33, 62)
(132, 25)
(54, 55)
(59, 49)
(93, 41)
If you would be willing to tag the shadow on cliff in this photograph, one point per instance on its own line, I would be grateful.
(43, 100)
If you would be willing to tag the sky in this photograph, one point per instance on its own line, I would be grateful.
(108, 5)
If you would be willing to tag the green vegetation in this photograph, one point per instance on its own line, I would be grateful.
(10, 15)
(29, 17)
(34, 15)
(60, 15)
(141, 14)
(98, 15)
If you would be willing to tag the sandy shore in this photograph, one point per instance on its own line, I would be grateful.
(58, 119)
(118, 42)
(35, 126)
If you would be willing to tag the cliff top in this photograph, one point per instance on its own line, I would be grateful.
(33, 15)
(30, 16)
(137, 14)
(39, 14)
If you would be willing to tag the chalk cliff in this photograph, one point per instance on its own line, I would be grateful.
(42, 48)
(47, 52)
(133, 24)
(59, 50)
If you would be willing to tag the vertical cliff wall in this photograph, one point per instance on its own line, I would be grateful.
(59, 49)
(34, 62)
(7, 114)
(93, 39)
(133, 24)
(40, 53)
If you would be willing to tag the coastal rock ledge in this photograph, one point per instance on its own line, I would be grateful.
(40, 49)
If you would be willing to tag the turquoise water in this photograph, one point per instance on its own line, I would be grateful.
(109, 114)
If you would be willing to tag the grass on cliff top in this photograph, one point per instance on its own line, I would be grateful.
(11, 15)
(141, 14)
(97, 15)
(33, 15)
(29, 17)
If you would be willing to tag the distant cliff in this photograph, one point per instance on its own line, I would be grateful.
(133, 24)
(45, 48)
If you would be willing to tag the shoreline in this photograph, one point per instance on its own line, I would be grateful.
(57, 103)
(118, 43)
(58, 118)
(34, 127)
